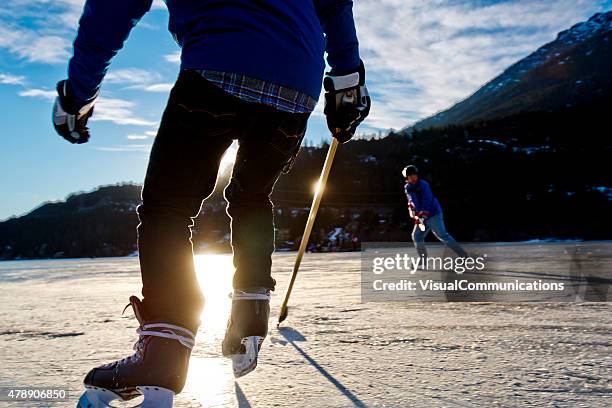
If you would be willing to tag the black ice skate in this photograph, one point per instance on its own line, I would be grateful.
(246, 329)
(157, 370)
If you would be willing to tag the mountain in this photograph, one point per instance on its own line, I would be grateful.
(573, 69)
(526, 176)
(99, 223)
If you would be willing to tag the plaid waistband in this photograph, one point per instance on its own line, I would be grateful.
(260, 91)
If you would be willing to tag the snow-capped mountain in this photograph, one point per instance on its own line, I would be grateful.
(574, 68)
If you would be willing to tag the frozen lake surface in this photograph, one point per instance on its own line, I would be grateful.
(59, 318)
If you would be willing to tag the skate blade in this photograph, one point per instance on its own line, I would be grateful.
(243, 364)
(95, 397)
(154, 397)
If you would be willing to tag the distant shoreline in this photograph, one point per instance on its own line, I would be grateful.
(547, 241)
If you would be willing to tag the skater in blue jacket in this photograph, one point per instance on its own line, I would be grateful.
(426, 212)
(250, 71)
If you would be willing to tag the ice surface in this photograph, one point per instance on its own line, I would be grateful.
(60, 318)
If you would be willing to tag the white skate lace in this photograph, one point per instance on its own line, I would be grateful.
(166, 330)
(188, 340)
(239, 295)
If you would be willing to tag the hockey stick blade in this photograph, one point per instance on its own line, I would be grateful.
(283, 316)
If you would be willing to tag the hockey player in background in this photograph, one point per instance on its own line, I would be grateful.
(426, 213)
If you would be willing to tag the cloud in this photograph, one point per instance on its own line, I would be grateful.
(318, 110)
(175, 57)
(48, 49)
(158, 4)
(119, 112)
(125, 148)
(146, 135)
(161, 87)
(131, 76)
(11, 79)
(43, 30)
(39, 30)
(34, 45)
(136, 78)
(424, 56)
(38, 93)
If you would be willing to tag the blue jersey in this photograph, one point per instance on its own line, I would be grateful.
(421, 196)
(278, 41)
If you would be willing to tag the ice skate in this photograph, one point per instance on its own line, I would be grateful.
(246, 329)
(157, 369)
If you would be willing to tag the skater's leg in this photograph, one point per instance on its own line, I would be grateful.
(436, 223)
(418, 237)
(268, 146)
(182, 172)
(247, 328)
(196, 129)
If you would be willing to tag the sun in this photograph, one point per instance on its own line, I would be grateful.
(215, 272)
(316, 187)
(210, 379)
(230, 156)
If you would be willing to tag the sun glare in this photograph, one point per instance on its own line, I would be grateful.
(210, 378)
(211, 382)
(230, 156)
(215, 272)
(316, 187)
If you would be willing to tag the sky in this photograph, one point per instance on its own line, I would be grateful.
(421, 56)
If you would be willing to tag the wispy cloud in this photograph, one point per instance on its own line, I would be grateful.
(161, 87)
(423, 56)
(47, 49)
(39, 31)
(9, 79)
(175, 57)
(136, 78)
(119, 112)
(38, 93)
(158, 4)
(42, 30)
(125, 148)
(131, 76)
(146, 135)
(34, 45)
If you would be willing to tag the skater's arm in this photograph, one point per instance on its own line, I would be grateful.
(336, 17)
(427, 198)
(103, 28)
(412, 198)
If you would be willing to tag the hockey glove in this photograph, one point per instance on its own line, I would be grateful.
(69, 120)
(347, 103)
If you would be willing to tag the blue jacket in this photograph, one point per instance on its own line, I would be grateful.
(281, 41)
(422, 197)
